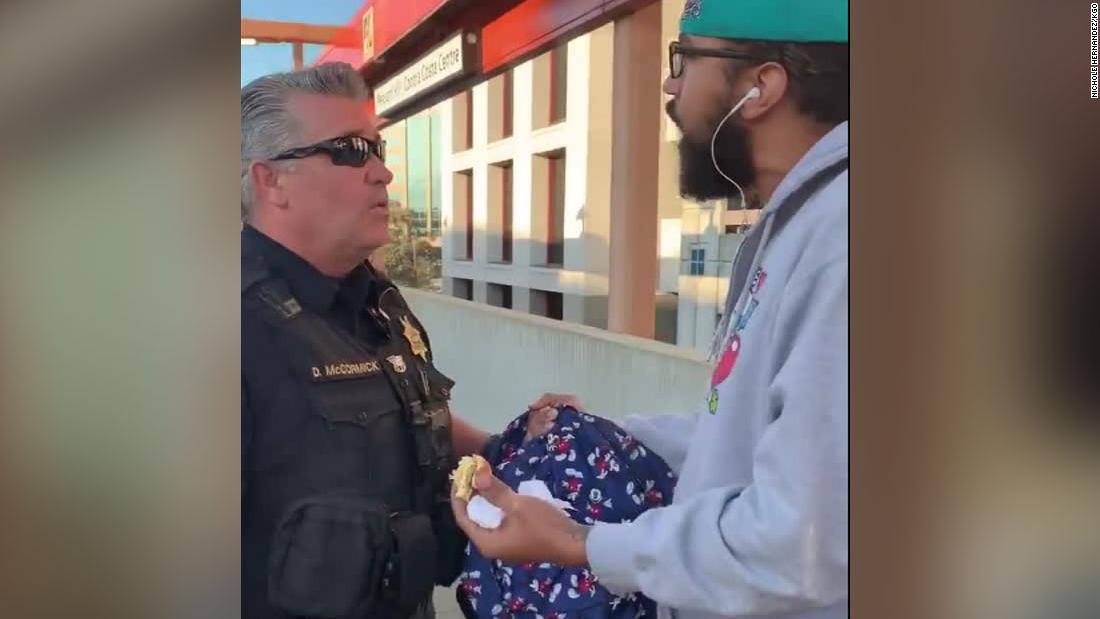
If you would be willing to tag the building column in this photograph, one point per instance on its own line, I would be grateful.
(636, 124)
(521, 299)
(573, 309)
(481, 292)
(447, 286)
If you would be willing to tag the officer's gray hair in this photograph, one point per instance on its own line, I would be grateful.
(267, 126)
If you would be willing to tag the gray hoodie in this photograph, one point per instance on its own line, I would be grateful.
(759, 524)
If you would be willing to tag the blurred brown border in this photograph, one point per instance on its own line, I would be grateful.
(119, 427)
(972, 147)
(890, 208)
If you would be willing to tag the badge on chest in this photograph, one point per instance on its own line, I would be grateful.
(412, 336)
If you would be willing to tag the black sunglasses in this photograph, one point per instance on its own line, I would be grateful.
(677, 51)
(349, 150)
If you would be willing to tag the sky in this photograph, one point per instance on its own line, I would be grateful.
(257, 60)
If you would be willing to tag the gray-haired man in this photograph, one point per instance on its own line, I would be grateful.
(346, 435)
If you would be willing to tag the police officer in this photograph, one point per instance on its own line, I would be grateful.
(346, 431)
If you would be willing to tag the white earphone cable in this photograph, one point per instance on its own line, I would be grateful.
(751, 94)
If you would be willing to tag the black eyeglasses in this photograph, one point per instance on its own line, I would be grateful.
(349, 150)
(677, 51)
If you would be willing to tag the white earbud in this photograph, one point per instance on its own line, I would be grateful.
(753, 93)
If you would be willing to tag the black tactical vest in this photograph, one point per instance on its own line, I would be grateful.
(356, 517)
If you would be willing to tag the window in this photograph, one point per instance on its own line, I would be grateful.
(435, 145)
(559, 74)
(500, 295)
(501, 100)
(508, 96)
(499, 220)
(462, 113)
(506, 214)
(464, 289)
(546, 303)
(470, 217)
(555, 201)
(548, 209)
(469, 124)
(418, 172)
(554, 305)
(737, 229)
(419, 223)
(698, 261)
(463, 222)
(550, 88)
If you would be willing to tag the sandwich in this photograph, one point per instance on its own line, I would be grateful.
(463, 475)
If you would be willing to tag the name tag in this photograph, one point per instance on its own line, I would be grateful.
(340, 371)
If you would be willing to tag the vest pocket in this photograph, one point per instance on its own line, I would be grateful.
(358, 402)
(364, 445)
(328, 556)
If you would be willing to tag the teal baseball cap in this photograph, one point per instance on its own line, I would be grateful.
(789, 21)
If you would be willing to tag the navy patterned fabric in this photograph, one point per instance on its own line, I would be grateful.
(607, 476)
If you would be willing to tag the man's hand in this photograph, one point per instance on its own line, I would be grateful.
(533, 531)
(556, 400)
(540, 421)
(545, 410)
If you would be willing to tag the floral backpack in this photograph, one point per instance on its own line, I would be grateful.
(607, 476)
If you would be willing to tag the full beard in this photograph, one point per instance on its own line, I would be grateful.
(698, 179)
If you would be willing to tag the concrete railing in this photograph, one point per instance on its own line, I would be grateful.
(501, 360)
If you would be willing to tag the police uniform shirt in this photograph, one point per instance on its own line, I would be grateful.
(341, 301)
(329, 418)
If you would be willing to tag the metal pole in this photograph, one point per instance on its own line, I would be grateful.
(298, 63)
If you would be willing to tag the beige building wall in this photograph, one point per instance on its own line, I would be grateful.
(585, 138)
(688, 306)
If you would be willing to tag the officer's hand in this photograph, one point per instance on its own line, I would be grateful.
(533, 531)
(540, 422)
(556, 400)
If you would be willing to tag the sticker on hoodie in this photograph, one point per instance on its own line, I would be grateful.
(731, 350)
